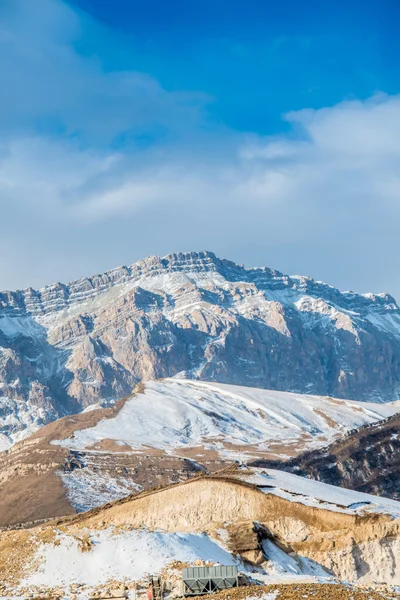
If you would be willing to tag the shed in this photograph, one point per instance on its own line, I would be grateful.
(205, 580)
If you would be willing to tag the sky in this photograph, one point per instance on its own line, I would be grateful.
(266, 132)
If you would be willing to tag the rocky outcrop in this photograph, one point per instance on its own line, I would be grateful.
(252, 521)
(355, 547)
(66, 347)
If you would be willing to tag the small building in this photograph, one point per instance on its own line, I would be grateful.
(205, 580)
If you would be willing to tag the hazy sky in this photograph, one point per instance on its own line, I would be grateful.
(269, 134)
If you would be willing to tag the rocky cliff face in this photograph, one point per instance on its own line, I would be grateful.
(66, 347)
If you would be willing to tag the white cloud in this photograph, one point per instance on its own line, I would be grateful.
(334, 163)
(369, 128)
(47, 84)
(324, 194)
(321, 200)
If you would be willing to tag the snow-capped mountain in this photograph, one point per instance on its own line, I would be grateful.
(66, 347)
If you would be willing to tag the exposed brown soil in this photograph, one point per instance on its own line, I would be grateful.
(351, 546)
(33, 497)
(326, 417)
(198, 502)
(30, 490)
(304, 591)
(110, 446)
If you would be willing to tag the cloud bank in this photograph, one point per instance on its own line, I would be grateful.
(100, 167)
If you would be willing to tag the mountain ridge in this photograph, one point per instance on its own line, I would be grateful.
(64, 348)
(202, 261)
(366, 459)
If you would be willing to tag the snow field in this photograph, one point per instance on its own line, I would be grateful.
(123, 556)
(133, 555)
(321, 495)
(173, 414)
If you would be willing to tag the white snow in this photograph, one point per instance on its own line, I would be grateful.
(279, 562)
(132, 555)
(20, 419)
(87, 489)
(173, 414)
(264, 596)
(21, 325)
(320, 495)
(4, 442)
(388, 322)
(122, 556)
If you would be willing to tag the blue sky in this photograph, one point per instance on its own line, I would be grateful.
(256, 58)
(268, 133)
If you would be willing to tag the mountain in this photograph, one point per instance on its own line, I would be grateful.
(166, 432)
(367, 459)
(276, 527)
(66, 347)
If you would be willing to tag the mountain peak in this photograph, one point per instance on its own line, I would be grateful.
(59, 296)
(65, 347)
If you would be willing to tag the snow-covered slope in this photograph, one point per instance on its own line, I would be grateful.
(173, 415)
(132, 556)
(118, 556)
(204, 422)
(321, 495)
(165, 432)
(66, 347)
(366, 459)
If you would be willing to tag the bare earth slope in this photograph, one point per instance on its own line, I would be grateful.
(65, 347)
(285, 525)
(164, 433)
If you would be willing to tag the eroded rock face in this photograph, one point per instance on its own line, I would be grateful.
(355, 547)
(66, 347)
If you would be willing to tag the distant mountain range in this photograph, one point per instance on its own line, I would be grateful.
(66, 347)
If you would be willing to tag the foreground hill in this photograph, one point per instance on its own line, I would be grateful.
(164, 433)
(66, 347)
(272, 524)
